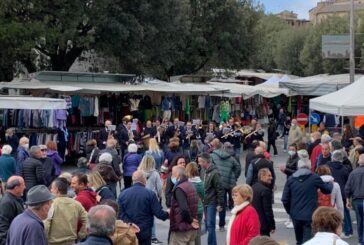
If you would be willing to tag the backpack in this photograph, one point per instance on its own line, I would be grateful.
(324, 199)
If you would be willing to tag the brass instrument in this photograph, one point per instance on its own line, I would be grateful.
(243, 131)
(127, 118)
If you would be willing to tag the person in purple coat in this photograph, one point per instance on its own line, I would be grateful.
(130, 164)
(53, 154)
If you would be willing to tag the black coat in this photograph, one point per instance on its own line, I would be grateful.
(33, 172)
(10, 207)
(262, 202)
(49, 170)
(272, 132)
(340, 174)
(115, 159)
(291, 165)
(250, 155)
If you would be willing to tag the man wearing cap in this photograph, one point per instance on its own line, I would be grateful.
(27, 228)
(11, 204)
(66, 221)
(33, 171)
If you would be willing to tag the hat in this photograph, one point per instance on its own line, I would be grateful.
(38, 194)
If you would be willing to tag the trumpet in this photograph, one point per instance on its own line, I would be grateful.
(243, 131)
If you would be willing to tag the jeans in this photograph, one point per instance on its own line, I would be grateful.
(285, 142)
(302, 230)
(113, 187)
(237, 154)
(154, 236)
(358, 205)
(228, 202)
(347, 227)
(211, 224)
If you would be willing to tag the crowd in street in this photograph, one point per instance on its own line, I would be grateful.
(187, 174)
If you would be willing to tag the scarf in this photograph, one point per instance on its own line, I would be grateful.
(234, 212)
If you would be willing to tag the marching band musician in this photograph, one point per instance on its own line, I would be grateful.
(189, 134)
(105, 133)
(149, 129)
(175, 130)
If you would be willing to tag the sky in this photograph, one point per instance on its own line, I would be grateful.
(300, 7)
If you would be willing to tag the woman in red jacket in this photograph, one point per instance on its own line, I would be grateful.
(244, 223)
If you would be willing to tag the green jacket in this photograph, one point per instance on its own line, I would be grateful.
(214, 193)
(229, 168)
(198, 184)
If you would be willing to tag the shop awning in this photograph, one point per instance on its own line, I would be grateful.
(31, 103)
(348, 101)
(247, 91)
(317, 85)
(96, 87)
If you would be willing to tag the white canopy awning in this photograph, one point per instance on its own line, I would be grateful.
(31, 103)
(247, 91)
(317, 85)
(153, 85)
(348, 101)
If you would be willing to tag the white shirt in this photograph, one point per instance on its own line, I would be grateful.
(325, 238)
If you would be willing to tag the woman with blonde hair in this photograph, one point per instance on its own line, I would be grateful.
(244, 223)
(155, 152)
(154, 183)
(98, 184)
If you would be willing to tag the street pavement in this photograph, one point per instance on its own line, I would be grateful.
(282, 234)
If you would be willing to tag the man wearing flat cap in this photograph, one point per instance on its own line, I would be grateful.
(27, 228)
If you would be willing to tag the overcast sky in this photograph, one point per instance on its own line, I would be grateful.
(300, 7)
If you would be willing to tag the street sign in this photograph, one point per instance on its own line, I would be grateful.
(335, 46)
(302, 119)
(315, 119)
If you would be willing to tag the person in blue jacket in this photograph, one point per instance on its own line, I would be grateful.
(300, 198)
(139, 205)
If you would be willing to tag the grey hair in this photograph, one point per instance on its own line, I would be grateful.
(33, 150)
(105, 158)
(304, 163)
(181, 171)
(303, 154)
(325, 138)
(7, 149)
(338, 155)
(101, 220)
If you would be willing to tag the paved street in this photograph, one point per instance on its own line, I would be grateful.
(282, 234)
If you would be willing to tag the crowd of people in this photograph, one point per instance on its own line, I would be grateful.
(187, 173)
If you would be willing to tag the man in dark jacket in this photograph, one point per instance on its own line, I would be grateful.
(291, 165)
(48, 166)
(104, 135)
(354, 193)
(250, 155)
(28, 228)
(101, 225)
(258, 163)
(33, 171)
(262, 202)
(272, 136)
(11, 204)
(139, 205)
(183, 216)
(214, 194)
(341, 175)
(300, 198)
(229, 170)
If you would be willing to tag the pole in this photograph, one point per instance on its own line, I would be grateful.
(352, 42)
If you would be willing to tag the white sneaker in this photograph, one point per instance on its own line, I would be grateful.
(290, 225)
(287, 222)
(343, 236)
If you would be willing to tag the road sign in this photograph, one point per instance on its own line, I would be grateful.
(315, 119)
(302, 119)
